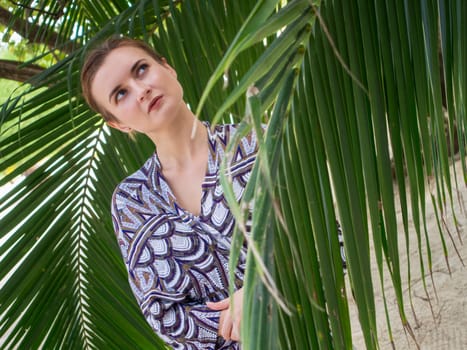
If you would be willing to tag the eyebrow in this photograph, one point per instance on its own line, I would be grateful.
(133, 69)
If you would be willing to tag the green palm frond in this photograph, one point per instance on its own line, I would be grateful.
(64, 283)
(341, 84)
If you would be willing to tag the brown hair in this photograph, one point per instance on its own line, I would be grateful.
(94, 60)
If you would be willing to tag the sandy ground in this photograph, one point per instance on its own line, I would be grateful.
(444, 324)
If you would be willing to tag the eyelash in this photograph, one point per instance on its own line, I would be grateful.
(117, 95)
(139, 72)
(143, 66)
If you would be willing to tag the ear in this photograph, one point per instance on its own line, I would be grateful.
(118, 126)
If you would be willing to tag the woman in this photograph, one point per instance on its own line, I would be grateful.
(171, 219)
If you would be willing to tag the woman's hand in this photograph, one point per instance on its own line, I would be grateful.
(229, 321)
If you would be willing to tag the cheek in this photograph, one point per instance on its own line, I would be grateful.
(166, 79)
(176, 87)
(124, 111)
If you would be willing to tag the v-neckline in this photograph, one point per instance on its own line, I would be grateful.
(172, 200)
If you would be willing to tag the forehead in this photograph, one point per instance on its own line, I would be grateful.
(115, 68)
(125, 53)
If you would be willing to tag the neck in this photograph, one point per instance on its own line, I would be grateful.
(181, 141)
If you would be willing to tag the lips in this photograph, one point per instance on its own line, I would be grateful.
(155, 103)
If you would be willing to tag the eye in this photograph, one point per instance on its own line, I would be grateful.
(142, 69)
(120, 94)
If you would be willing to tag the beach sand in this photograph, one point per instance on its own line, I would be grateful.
(443, 325)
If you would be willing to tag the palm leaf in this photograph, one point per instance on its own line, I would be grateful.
(64, 282)
(340, 82)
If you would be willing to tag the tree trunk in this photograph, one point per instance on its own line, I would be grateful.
(13, 70)
(34, 33)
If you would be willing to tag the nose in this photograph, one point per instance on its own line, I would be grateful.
(144, 92)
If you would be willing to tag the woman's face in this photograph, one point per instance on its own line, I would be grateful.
(143, 94)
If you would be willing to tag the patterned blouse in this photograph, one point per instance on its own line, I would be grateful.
(177, 261)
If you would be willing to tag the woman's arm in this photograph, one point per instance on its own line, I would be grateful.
(230, 315)
(182, 324)
(178, 319)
